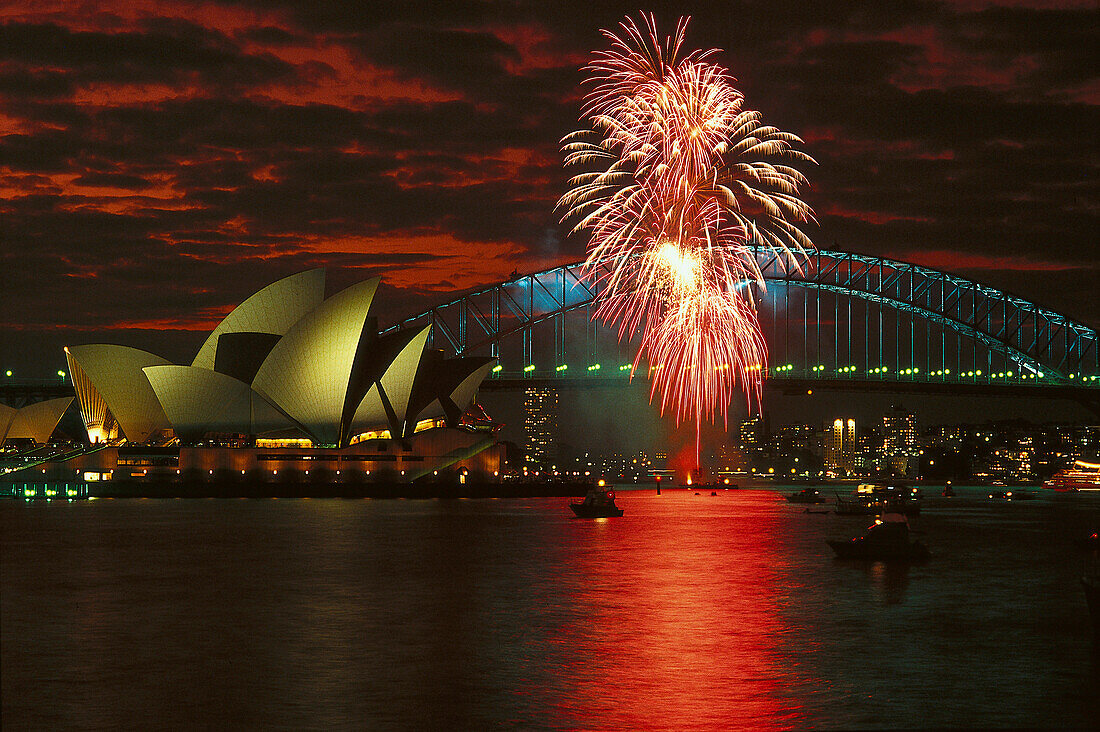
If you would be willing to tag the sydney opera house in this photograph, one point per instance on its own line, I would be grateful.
(34, 422)
(288, 382)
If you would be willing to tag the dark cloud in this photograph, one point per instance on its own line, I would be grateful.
(853, 66)
(157, 167)
(164, 51)
(112, 180)
(1060, 44)
(470, 60)
(273, 36)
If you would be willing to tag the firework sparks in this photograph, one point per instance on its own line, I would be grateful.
(676, 181)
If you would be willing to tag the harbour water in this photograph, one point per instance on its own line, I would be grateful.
(690, 612)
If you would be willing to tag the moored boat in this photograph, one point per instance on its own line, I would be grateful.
(878, 498)
(1013, 495)
(599, 502)
(1090, 541)
(885, 540)
(806, 495)
(1082, 476)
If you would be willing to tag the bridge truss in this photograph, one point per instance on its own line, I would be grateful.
(827, 316)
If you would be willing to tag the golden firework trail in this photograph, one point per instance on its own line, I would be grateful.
(674, 183)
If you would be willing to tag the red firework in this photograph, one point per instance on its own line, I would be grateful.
(676, 182)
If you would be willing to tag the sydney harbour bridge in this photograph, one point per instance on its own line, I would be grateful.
(832, 320)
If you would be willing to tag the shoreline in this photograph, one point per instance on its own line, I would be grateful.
(244, 489)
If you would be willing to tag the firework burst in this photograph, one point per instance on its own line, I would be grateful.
(675, 182)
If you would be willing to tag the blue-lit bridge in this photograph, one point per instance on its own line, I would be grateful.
(831, 320)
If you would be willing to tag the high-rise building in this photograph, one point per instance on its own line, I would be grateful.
(841, 447)
(899, 431)
(540, 423)
(792, 438)
(752, 434)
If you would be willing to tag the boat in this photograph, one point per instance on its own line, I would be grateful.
(878, 498)
(885, 540)
(1082, 476)
(1014, 495)
(599, 502)
(806, 495)
(948, 490)
(1089, 541)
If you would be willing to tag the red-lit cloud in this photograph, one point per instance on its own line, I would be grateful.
(160, 160)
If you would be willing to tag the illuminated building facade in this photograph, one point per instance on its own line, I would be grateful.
(288, 370)
(34, 422)
(900, 443)
(752, 434)
(436, 454)
(841, 447)
(540, 424)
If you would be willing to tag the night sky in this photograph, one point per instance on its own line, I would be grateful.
(160, 161)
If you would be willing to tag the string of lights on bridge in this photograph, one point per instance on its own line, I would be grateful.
(821, 371)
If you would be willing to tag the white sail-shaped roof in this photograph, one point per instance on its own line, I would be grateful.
(114, 374)
(446, 387)
(274, 309)
(397, 383)
(198, 400)
(434, 410)
(38, 421)
(307, 372)
(370, 414)
(398, 380)
(99, 423)
(7, 414)
(464, 393)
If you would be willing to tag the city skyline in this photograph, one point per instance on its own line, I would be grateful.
(896, 444)
(316, 413)
(161, 159)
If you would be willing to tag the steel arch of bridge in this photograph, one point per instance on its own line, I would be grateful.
(1041, 343)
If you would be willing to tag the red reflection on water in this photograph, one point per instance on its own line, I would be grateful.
(677, 619)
